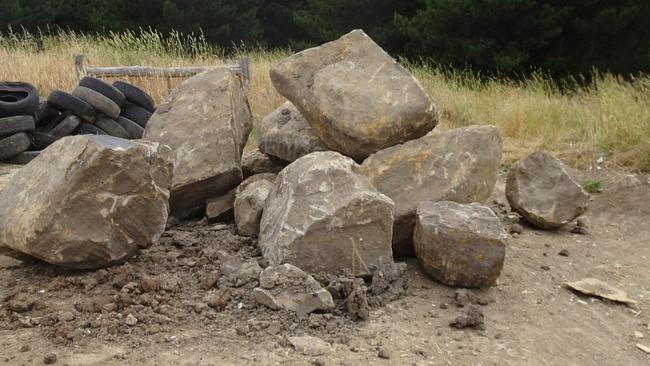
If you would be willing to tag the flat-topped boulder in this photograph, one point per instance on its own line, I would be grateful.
(458, 165)
(539, 188)
(356, 97)
(206, 122)
(286, 134)
(323, 215)
(87, 201)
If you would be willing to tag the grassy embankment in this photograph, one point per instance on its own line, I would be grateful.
(611, 118)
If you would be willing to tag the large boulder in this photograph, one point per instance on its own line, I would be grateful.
(206, 122)
(539, 188)
(286, 134)
(459, 245)
(323, 215)
(88, 201)
(249, 205)
(355, 96)
(458, 165)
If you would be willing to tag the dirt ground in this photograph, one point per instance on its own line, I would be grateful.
(172, 305)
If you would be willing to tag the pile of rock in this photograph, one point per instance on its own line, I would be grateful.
(349, 173)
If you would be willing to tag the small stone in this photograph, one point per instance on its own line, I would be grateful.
(25, 348)
(131, 320)
(66, 316)
(310, 346)
(579, 230)
(472, 317)
(149, 284)
(50, 359)
(444, 306)
(582, 222)
(563, 253)
(545, 267)
(638, 334)
(516, 229)
(383, 353)
(242, 330)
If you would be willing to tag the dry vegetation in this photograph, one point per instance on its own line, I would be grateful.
(610, 118)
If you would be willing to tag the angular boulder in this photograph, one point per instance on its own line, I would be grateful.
(458, 165)
(539, 188)
(286, 134)
(323, 215)
(88, 201)
(256, 162)
(249, 205)
(206, 122)
(355, 96)
(459, 245)
(288, 287)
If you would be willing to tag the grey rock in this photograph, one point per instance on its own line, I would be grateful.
(461, 245)
(269, 177)
(458, 165)
(288, 287)
(356, 98)
(248, 272)
(206, 122)
(249, 205)
(323, 215)
(310, 346)
(286, 134)
(221, 205)
(87, 201)
(256, 162)
(539, 188)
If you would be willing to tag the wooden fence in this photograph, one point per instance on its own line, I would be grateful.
(242, 67)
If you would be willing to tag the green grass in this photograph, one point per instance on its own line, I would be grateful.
(592, 186)
(610, 117)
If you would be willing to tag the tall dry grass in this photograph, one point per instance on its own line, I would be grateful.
(610, 118)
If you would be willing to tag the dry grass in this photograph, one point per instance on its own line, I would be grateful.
(611, 118)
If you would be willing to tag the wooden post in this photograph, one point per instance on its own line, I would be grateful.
(79, 66)
(245, 65)
(169, 84)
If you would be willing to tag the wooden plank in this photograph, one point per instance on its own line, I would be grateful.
(147, 71)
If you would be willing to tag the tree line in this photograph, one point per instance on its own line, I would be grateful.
(506, 37)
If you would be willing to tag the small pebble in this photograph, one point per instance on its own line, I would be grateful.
(444, 306)
(545, 268)
(638, 334)
(563, 253)
(24, 348)
(383, 353)
(49, 359)
(131, 320)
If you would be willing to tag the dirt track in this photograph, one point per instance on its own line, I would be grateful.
(530, 319)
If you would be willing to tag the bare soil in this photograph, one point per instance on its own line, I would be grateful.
(176, 303)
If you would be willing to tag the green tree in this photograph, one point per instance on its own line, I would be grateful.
(326, 20)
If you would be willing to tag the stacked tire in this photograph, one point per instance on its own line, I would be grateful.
(94, 107)
(18, 104)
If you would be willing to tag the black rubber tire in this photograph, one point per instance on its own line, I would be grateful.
(24, 157)
(65, 127)
(65, 102)
(101, 103)
(135, 130)
(103, 88)
(112, 127)
(13, 145)
(136, 95)
(15, 124)
(40, 140)
(136, 114)
(17, 99)
(44, 114)
(89, 129)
